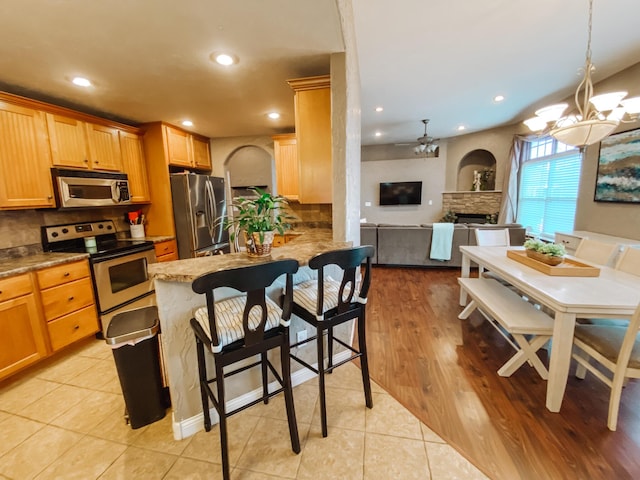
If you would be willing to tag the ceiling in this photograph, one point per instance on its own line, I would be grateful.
(439, 59)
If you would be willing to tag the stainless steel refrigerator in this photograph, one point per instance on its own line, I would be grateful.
(199, 209)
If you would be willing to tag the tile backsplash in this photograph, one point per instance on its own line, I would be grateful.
(312, 215)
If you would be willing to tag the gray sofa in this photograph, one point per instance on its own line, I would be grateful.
(410, 245)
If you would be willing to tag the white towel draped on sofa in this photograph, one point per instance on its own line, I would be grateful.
(441, 241)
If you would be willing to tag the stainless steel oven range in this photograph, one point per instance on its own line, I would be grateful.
(118, 266)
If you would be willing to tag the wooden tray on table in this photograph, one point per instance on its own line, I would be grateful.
(568, 268)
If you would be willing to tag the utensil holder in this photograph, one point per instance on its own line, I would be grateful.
(137, 231)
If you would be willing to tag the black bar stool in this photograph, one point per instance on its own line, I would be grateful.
(241, 327)
(326, 303)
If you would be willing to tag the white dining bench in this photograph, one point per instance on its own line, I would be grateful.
(505, 308)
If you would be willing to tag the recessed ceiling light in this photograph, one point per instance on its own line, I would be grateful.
(379, 109)
(187, 123)
(81, 81)
(498, 98)
(273, 115)
(224, 59)
(378, 134)
(460, 128)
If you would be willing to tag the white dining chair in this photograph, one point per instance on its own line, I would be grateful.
(596, 252)
(629, 262)
(491, 237)
(614, 347)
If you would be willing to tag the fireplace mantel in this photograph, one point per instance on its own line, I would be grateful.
(472, 191)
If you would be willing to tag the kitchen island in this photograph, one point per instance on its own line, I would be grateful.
(177, 301)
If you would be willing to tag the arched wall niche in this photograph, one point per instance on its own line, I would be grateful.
(249, 166)
(476, 160)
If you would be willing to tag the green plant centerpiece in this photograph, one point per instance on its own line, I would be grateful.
(258, 218)
(549, 253)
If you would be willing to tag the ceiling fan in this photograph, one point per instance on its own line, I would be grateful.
(426, 144)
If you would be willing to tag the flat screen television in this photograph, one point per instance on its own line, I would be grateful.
(401, 193)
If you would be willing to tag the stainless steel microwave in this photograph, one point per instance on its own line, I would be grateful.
(82, 188)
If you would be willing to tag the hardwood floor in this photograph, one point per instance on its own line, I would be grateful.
(444, 370)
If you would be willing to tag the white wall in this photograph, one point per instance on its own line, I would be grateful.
(431, 171)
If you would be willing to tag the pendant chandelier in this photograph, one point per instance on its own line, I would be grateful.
(594, 118)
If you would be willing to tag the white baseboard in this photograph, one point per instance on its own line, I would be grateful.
(193, 425)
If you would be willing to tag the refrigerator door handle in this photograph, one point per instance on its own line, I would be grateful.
(210, 207)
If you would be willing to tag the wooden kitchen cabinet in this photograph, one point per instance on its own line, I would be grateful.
(201, 152)
(79, 144)
(166, 251)
(68, 303)
(133, 164)
(25, 158)
(187, 150)
(178, 147)
(279, 240)
(22, 336)
(285, 150)
(104, 147)
(312, 103)
(164, 145)
(34, 136)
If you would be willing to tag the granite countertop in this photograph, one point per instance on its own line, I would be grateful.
(16, 266)
(153, 238)
(307, 244)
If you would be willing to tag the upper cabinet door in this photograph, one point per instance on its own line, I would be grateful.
(133, 164)
(68, 139)
(179, 147)
(104, 147)
(25, 159)
(286, 155)
(201, 153)
(312, 101)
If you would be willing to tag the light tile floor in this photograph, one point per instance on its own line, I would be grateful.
(64, 420)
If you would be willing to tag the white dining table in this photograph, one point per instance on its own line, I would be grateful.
(612, 294)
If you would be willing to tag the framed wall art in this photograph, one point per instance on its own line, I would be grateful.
(618, 178)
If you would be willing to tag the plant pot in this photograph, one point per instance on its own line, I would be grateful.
(256, 246)
(544, 258)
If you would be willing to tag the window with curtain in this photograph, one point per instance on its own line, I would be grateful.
(548, 193)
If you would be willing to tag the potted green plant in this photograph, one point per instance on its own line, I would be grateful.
(259, 218)
(549, 253)
(449, 217)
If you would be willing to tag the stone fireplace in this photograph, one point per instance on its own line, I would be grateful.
(484, 202)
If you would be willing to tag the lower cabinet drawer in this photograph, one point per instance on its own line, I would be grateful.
(68, 272)
(73, 327)
(16, 286)
(166, 249)
(66, 298)
(168, 257)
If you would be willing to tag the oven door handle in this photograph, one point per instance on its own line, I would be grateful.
(111, 256)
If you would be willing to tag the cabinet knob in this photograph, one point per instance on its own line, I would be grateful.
(86, 160)
(49, 197)
(71, 298)
(76, 327)
(66, 274)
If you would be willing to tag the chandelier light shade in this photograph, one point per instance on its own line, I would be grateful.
(426, 144)
(594, 118)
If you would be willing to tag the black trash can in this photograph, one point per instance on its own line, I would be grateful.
(133, 336)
